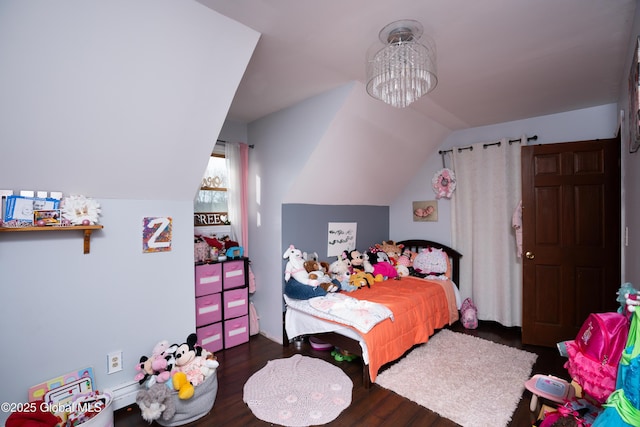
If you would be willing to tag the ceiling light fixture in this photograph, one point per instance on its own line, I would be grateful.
(404, 69)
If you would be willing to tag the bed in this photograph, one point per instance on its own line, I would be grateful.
(418, 307)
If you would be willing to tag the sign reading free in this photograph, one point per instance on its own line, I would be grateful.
(210, 218)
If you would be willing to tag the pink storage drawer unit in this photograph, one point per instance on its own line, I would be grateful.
(233, 273)
(236, 303)
(210, 337)
(236, 331)
(208, 309)
(208, 279)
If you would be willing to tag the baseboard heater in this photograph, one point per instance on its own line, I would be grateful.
(124, 394)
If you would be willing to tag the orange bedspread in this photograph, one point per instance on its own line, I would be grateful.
(419, 308)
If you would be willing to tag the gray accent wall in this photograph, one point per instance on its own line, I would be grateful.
(306, 226)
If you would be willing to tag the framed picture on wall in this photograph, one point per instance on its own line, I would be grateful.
(634, 104)
(425, 211)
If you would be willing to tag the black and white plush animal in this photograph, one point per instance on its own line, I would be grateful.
(186, 352)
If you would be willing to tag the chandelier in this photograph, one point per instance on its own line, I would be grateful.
(404, 69)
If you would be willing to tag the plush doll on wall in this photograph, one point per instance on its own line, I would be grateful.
(298, 284)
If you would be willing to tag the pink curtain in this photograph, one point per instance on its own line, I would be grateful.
(237, 155)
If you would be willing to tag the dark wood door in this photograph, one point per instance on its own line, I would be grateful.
(571, 236)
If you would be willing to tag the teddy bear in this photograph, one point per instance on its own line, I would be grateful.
(317, 277)
(155, 402)
(298, 284)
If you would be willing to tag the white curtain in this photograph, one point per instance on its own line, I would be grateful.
(236, 154)
(488, 190)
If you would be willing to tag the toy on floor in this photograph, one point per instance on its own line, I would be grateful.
(317, 344)
(343, 355)
(548, 387)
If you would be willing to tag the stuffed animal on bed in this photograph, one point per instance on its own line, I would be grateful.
(355, 259)
(381, 266)
(298, 284)
(360, 279)
(392, 249)
(316, 273)
(407, 258)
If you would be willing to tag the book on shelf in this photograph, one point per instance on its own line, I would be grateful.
(22, 208)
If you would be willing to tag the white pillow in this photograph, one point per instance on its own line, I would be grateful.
(431, 261)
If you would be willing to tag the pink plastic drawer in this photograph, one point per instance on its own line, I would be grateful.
(208, 279)
(208, 309)
(236, 331)
(210, 337)
(233, 274)
(236, 303)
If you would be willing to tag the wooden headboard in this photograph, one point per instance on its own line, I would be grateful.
(416, 244)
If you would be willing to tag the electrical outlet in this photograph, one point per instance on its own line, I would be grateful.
(114, 362)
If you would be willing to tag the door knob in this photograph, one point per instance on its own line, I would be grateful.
(530, 255)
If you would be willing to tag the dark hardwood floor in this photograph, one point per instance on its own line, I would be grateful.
(370, 407)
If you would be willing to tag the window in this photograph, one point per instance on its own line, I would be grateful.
(211, 203)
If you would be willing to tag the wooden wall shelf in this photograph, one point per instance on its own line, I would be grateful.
(86, 229)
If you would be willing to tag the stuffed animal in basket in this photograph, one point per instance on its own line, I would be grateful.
(187, 357)
(157, 368)
(156, 402)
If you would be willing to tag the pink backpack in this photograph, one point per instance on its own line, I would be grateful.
(469, 314)
(595, 353)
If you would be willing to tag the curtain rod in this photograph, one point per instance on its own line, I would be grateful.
(224, 142)
(511, 141)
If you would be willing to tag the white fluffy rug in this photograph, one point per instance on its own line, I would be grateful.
(298, 391)
(474, 382)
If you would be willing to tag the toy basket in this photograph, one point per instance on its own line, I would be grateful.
(196, 407)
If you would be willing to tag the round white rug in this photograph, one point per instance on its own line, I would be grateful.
(298, 391)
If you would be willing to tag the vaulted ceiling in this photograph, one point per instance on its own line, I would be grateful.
(498, 60)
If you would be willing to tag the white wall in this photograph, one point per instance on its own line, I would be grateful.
(630, 175)
(140, 87)
(579, 125)
(283, 143)
(67, 310)
(121, 101)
